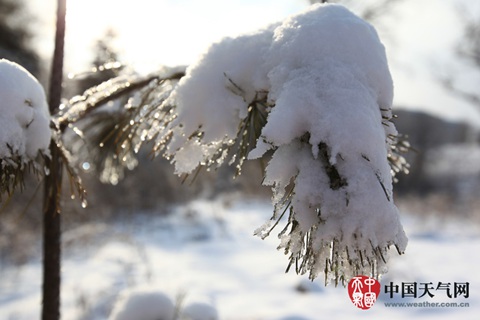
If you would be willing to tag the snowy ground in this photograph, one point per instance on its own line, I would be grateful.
(205, 252)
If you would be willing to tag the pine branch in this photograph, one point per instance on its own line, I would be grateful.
(14, 170)
(79, 107)
(111, 121)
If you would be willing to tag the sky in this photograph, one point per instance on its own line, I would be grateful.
(419, 36)
(161, 32)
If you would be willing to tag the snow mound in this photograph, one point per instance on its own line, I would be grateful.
(316, 91)
(143, 304)
(199, 311)
(24, 114)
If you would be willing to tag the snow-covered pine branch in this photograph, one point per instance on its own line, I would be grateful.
(24, 125)
(316, 91)
(26, 130)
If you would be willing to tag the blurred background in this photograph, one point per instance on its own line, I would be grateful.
(434, 53)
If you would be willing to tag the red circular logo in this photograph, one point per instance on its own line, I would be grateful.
(363, 291)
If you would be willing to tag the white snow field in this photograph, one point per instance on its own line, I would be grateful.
(204, 254)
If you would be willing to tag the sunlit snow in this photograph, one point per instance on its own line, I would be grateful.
(24, 115)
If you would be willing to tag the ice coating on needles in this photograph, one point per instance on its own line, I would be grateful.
(323, 78)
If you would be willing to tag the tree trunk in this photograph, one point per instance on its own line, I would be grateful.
(52, 238)
(53, 186)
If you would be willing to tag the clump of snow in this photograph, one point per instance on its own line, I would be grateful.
(146, 303)
(199, 311)
(317, 91)
(212, 99)
(24, 114)
(143, 304)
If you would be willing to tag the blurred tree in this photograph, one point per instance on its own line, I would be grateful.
(104, 66)
(467, 51)
(15, 35)
(105, 53)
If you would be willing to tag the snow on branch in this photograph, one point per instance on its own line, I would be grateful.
(316, 91)
(24, 126)
(313, 93)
